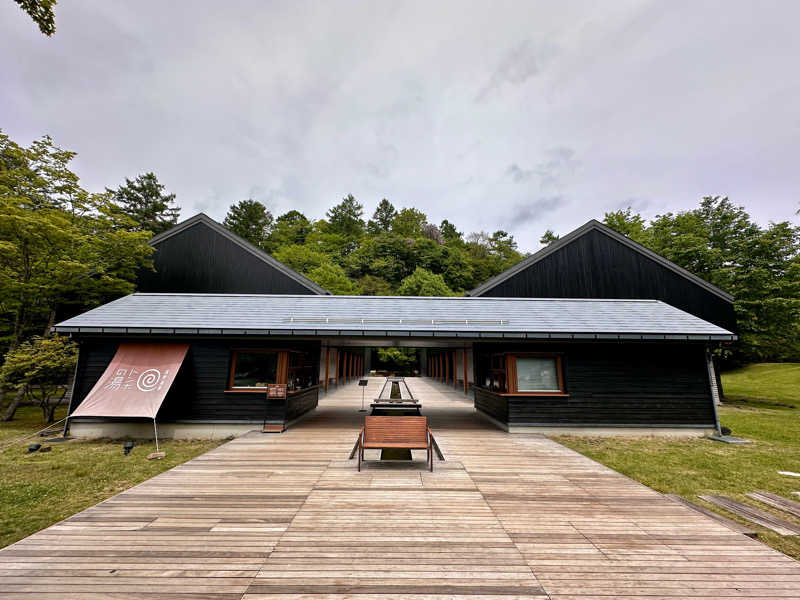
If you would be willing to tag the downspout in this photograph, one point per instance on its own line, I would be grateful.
(712, 383)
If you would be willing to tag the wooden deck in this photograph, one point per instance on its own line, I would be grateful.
(271, 516)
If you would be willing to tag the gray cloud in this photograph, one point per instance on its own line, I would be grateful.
(554, 171)
(534, 211)
(520, 63)
(298, 104)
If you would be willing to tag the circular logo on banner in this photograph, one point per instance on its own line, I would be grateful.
(148, 380)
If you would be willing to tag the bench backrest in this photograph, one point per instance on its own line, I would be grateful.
(395, 429)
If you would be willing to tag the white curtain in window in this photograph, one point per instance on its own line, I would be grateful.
(537, 374)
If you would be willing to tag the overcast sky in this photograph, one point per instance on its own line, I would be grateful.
(496, 115)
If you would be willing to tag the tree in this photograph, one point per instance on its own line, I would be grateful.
(409, 222)
(399, 359)
(431, 232)
(290, 228)
(424, 283)
(249, 219)
(59, 245)
(41, 11)
(301, 258)
(333, 278)
(760, 267)
(629, 224)
(144, 201)
(382, 218)
(387, 256)
(345, 218)
(39, 368)
(548, 237)
(369, 285)
(450, 233)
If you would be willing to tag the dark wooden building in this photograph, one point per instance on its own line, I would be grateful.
(592, 332)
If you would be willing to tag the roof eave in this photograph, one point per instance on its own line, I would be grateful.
(516, 335)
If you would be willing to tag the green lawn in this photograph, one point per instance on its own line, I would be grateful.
(760, 401)
(41, 489)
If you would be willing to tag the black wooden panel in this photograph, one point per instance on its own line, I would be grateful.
(494, 405)
(93, 359)
(200, 260)
(597, 266)
(617, 384)
(302, 402)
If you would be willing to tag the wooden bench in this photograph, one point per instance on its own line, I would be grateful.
(381, 432)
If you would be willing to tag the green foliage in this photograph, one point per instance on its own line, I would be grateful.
(378, 257)
(548, 237)
(409, 223)
(301, 258)
(41, 365)
(369, 285)
(382, 218)
(345, 218)
(61, 248)
(249, 219)
(424, 283)
(333, 278)
(290, 228)
(398, 359)
(144, 201)
(450, 233)
(759, 266)
(41, 11)
(628, 223)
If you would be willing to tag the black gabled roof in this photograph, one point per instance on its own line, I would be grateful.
(595, 225)
(202, 218)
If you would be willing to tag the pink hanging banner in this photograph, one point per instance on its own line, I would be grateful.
(135, 383)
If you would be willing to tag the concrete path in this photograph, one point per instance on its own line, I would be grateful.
(270, 516)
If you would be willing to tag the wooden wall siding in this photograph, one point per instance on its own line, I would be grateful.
(616, 384)
(93, 359)
(301, 402)
(198, 392)
(201, 260)
(494, 405)
(596, 266)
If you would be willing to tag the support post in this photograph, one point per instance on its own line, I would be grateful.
(327, 365)
(466, 382)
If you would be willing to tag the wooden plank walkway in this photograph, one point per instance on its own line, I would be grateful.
(278, 516)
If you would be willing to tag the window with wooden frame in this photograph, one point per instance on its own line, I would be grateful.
(302, 372)
(535, 374)
(253, 369)
(496, 379)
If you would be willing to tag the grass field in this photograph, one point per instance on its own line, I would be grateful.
(762, 405)
(38, 490)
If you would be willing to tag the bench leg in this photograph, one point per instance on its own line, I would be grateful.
(360, 452)
(355, 447)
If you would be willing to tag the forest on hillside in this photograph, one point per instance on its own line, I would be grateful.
(66, 249)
